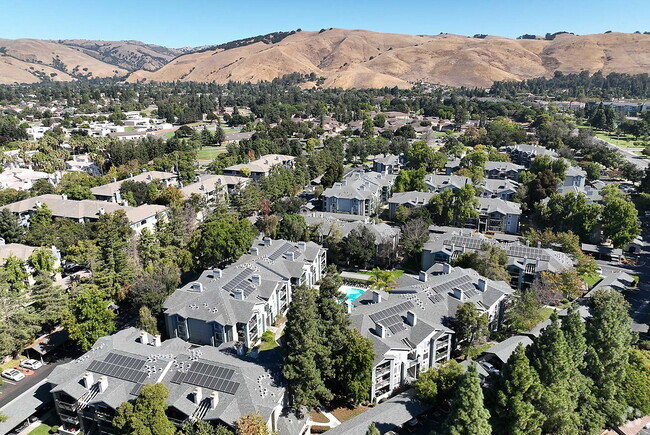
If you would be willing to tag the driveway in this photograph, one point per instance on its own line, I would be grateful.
(9, 390)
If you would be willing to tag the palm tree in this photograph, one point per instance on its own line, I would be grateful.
(381, 279)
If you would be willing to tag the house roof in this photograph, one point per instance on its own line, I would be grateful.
(144, 177)
(16, 250)
(436, 182)
(498, 205)
(263, 164)
(326, 225)
(208, 184)
(412, 198)
(505, 348)
(360, 185)
(503, 166)
(246, 387)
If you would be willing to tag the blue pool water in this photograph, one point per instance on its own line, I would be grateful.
(352, 294)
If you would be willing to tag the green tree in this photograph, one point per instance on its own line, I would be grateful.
(303, 347)
(471, 327)
(42, 260)
(570, 212)
(550, 356)
(489, 261)
(523, 313)
(468, 414)
(437, 384)
(10, 229)
(146, 414)
(114, 271)
(372, 430)
(48, 301)
(88, 317)
(15, 274)
(40, 227)
(609, 337)
(636, 387)
(410, 180)
(202, 427)
(620, 221)
(354, 368)
(248, 200)
(146, 321)
(225, 239)
(381, 279)
(292, 227)
(518, 393)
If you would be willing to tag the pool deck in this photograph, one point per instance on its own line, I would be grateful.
(355, 276)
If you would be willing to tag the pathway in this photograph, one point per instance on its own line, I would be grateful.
(332, 420)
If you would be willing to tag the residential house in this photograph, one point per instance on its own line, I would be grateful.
(410, 200)
(87, 210)
(82, 163)
(498, 188)
(437, 183)
(261, 167)
(326, 224)
(204, 383)
(574, 177)
(524, 154)
(212, 187)
(111, 191)
(240, 302)
(452, 166)
(410, 326)
(498, 354)
(524, 264)
(23, 252)
(389, 163)
(621, 281)
(24, 178)
(503, 170)
(361, 193)
(496, 215)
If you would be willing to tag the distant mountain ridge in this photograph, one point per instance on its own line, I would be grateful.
(344, 58)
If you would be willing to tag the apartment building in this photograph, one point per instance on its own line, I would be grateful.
(240, 302)
(361, 193)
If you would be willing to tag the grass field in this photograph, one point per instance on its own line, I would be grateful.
(591, 280)
(209, 153)
(620, 140)
(44, 428)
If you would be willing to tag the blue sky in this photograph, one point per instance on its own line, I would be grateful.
(197, 22)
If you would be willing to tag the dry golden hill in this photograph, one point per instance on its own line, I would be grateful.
(360, 58)
(33, 60)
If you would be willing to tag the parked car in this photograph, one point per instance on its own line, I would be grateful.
(489, 368)
(31, 364)
(13, 375)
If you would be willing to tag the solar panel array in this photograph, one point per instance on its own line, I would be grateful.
(391, 318)
(468, 242)
(210, 376)
(529, 252)
(463, 283)
(240, 282)
(286, 247)
(122, 367)
(435, 298)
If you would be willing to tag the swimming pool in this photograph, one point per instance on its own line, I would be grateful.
(352, 293)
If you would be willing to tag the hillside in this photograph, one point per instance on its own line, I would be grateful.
(130, 55)
(34, 60)
(345, 58)
(359, 58)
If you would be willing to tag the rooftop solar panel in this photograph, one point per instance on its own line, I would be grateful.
(120, 367)
(208, 375)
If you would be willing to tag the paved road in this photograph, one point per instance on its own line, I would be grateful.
(635, 159)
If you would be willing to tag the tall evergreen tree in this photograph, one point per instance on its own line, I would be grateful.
(609, 337)
(146, 414)
(10, 229)
(303, 346)
(550, 357)
(113, 239)
(468, 414)
(519, 392)
(332, 326)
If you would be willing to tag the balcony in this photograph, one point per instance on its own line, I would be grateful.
(69, 430)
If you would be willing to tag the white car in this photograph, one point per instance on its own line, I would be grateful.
(31, 364)
(13, 374)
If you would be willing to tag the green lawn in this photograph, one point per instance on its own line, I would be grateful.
(591, 280)
(268, 345)
(209, 153)
(44, 428)
(168, 135)
(129, 128)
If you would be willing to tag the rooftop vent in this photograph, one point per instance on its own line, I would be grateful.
(196, 287)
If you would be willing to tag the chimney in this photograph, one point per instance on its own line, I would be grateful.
(411, 318)
(302, 245)
(459, 294)
(290, 256)
(527, 243)
(88, 380)
(216, 273)
(446, 268)
(156, 340)
(196, 287)
(423, 276)
(214, 399)
(64, 197)
(103, 383)
(537, 263)
(2, 241)
(238, 294)
(257, 280)
(482, 284)
(539, 243)
(255, 250)
(376, 297)
(197, 395)
(102, 211)
(144, 338)
(380, 330)
(267, 241)
(525, 261)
